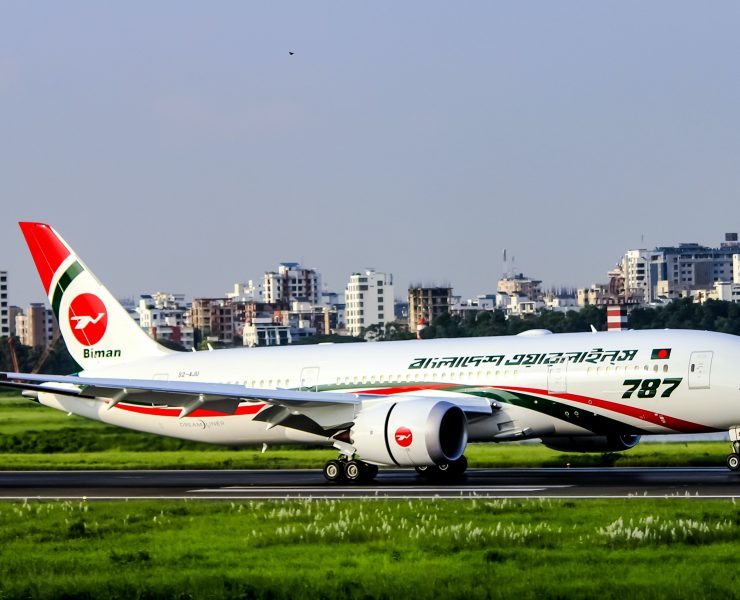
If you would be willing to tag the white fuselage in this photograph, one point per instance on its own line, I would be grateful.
(646, 382)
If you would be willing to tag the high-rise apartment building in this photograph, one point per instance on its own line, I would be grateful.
(163, 316)
(428, 303)
(369, 300)
(38, 327)
(13, 312)
(213, 318)
(292, 282)
(670, 272)
(4, 313)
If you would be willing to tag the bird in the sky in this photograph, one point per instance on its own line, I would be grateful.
(291, 53)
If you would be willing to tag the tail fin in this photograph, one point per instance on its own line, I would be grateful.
(98, 331)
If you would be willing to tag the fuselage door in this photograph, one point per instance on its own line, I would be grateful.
(310, 379)
(700, 367)
(557, 378)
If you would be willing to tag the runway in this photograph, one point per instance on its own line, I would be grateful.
(398, 484)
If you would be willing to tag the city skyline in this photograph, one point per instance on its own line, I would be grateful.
(262, 289)
(419, 139)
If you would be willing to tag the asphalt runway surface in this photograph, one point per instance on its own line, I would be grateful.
(392, 483)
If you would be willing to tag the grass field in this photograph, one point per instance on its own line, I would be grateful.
(348, 549)
(370, 549)
(36, 437)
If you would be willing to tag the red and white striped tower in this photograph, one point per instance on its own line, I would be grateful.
(616, 317)
(420, 327)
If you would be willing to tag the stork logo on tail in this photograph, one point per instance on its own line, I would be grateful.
(88, 319)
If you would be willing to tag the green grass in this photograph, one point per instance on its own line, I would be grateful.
(370, 549)
(36, 437)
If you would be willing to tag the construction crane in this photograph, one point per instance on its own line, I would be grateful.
(40, 361)
(13, 355)
(44, 356)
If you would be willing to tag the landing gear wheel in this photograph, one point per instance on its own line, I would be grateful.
(733, 462)
(357, 471)
(448, 472)
(371, 472)
(334, 471)
(452, 471)
(455, 468)
(461, 465)
(353, 471)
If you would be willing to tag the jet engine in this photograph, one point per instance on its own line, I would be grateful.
(591, 443)
(410, 433)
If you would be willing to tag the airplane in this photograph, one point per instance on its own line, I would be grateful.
(415, 403)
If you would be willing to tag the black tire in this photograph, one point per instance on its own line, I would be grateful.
(450, 472)
(733, 462)
(333, 471)
(369, 472)
(426, 472)
(461, 465)
(353, 471)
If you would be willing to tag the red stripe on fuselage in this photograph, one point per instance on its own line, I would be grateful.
(46, 248)
(622, 409)
(248, 409)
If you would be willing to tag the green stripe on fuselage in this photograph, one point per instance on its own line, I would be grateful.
(56, 299)
(594, 422)
(598, 424)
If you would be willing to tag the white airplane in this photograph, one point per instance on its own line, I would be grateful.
(409, 404)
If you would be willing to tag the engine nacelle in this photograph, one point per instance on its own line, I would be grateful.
(591, 443)
(410, 433)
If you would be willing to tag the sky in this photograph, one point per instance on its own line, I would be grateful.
(178, 146)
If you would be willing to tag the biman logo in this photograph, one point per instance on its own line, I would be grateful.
(88, 319)
(403, 437)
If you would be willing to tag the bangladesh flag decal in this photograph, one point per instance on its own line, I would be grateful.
(661, 354)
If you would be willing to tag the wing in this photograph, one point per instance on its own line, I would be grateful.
(322, 413)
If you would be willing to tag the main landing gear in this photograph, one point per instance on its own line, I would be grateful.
(350, 471)
(733, 460)
(346, 470)
(445, 472)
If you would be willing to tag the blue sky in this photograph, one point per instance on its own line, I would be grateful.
(178, 146)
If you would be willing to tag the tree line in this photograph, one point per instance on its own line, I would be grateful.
(57, 360)
(712, 315)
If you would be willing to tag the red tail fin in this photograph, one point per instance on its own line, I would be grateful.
(47, 249)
